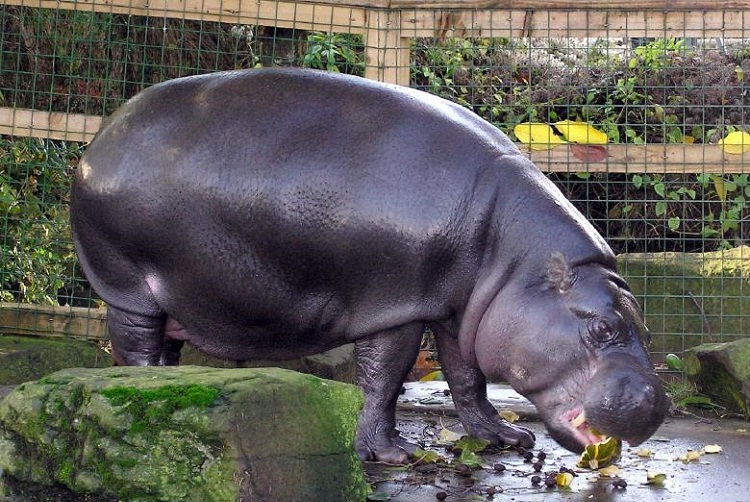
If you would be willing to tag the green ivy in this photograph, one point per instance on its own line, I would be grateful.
(335, 52)
(36, 253)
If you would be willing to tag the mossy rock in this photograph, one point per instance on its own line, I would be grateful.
(722, 372)
(185, 434)
(335, 364)
(691, 298)
(30, 358)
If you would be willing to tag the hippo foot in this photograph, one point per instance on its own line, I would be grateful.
(501, 432)
(390, 451)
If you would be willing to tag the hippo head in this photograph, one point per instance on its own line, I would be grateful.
(573, 341)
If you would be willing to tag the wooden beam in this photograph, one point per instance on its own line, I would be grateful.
(574, 24)
(542, 5)
(52, 125)
(55, 322)
(500, 18)
(387, 55)
(654, 159)
(304, 16)
(535, 5)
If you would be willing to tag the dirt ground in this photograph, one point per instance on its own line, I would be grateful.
(721, 476)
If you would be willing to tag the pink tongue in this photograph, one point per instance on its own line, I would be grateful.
(590, 436)
(579, 422)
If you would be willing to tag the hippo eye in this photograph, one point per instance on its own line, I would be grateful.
(601, 330)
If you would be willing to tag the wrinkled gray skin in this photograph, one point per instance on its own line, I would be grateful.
(269, 214)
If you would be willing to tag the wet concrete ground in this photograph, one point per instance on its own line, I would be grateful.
(721, 477)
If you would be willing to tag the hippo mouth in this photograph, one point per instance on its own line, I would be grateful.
(579, 428)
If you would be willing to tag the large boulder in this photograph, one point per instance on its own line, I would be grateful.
(185, 434)
(722, 372)
(335, 364)
(691, 298)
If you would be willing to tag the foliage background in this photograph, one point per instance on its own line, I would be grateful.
(637, 91)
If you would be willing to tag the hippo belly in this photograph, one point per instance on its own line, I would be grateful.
(275, 213)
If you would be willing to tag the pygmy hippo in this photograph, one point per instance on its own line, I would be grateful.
(269, 214)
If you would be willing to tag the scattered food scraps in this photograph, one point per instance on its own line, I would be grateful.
(601, 454)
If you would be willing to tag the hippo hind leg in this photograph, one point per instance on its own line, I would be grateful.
(139, 340)
(469, 390)
(383, 361)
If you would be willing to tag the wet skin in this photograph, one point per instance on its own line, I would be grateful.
(269, 214)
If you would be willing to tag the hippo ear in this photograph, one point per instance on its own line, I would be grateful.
(558, 273)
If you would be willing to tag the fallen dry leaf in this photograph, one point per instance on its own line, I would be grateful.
(509, 416)
(737, 142)
(537, 135)
(588, 153)
(611, 471)
(564, 479)
(581, 132)
(448, 436)
(690, 456)
(655, 478)
(712, 449)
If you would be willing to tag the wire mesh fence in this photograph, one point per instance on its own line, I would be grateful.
(665, 89)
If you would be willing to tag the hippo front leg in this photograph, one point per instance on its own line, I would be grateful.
(383, 361)
(138, 340)
(469, 391)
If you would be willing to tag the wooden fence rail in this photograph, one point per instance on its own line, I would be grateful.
(53, 322)
(389, 26)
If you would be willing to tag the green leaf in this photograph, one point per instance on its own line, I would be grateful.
(673, 362)
(674, 223)
(426, 456)
(661, 208)
(696, 401)
(471, 444)
(708, 232)
(659, 188)
(637, 180)
(470, 459)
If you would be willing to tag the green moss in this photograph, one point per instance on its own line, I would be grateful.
(153, 406)
(690, 298)
(28, 358)
(722, 372)
(66, 471)
(719, 384)
(205, 435)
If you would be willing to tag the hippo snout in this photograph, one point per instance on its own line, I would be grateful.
(626, 401)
